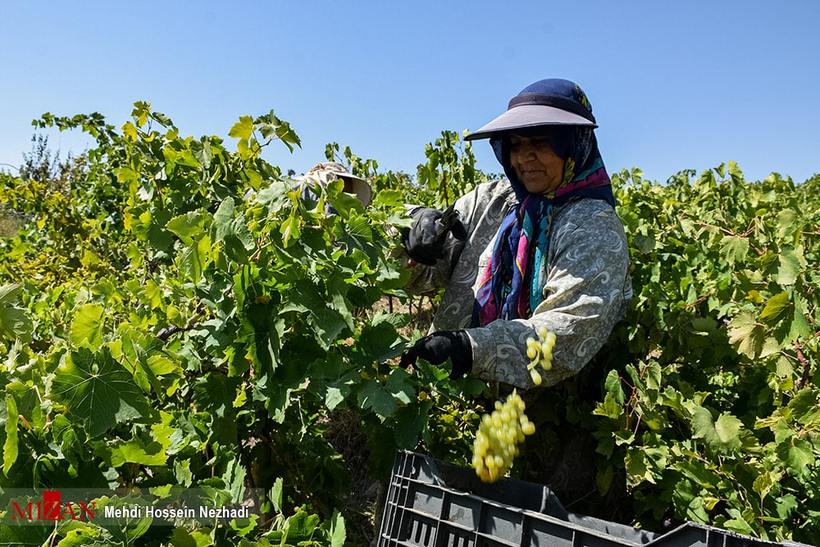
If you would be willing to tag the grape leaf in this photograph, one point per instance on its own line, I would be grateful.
(326, 322)
(337, 530)
(388, 198)
(786, 506)
(232, 231)
(728, 429)
(87, 326)
(738, 523)
(334, 396)
(10, 446)
(14, 321)
(789, 268)
(746, 334)
(138, 451)
(786, 222)
(98, 390)
(800, 457)
(243, 129)
(775, 306)
(613, 386)
(276, 494)
(764, 482)
(721, 436)
(735, 248)
(704, 324)
(799, 328)
(374, 397)
(636, 467)
(188, 226)
(399, 386)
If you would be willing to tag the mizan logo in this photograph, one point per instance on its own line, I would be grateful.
(51, 508)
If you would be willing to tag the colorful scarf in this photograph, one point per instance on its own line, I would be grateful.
(511, 285)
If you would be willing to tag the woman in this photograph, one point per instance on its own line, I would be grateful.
(326, 172)
(543, 249)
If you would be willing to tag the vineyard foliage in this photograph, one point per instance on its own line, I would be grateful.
(174, 312)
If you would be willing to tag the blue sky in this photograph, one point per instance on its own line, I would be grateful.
(673, 85)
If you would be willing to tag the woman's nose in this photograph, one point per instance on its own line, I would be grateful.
(527, 151)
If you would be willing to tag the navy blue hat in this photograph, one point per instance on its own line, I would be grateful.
(551, 102)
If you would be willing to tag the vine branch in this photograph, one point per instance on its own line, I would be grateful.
(167, 332)
(804, 378)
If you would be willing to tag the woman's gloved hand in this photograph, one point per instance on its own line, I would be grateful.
(440, 346)
(424, 241)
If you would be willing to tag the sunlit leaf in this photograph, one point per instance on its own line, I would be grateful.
(98, 391)
(87, 326)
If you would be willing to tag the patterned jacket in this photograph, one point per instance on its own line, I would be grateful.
(586, 293)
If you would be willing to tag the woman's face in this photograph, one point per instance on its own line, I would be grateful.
(535, 163)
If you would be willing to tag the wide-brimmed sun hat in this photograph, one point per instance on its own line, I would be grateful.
(544, 103)
(326, 172)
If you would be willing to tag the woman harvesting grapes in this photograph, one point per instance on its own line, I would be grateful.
(540, 259)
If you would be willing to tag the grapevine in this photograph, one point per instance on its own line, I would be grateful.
(176, 315)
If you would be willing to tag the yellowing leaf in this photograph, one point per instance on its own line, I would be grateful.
(754, 296)
(89, 258)
(637, 467)
(770, 347)
(138, 451)
(161, 365)
(746, 334)
(129, 132)
(243, 129)
(126, 175)
(764, 482)
(87, 327)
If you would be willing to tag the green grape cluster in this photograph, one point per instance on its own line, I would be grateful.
(498, 436)
(539, 352)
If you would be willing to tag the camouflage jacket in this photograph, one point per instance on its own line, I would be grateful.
(586, 293)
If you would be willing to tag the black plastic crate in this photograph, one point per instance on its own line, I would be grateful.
(435, 504)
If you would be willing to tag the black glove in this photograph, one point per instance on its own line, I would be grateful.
(440, 346)
(424, 241)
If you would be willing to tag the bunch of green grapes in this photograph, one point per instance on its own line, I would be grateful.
(539, 352)
(498, 436)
